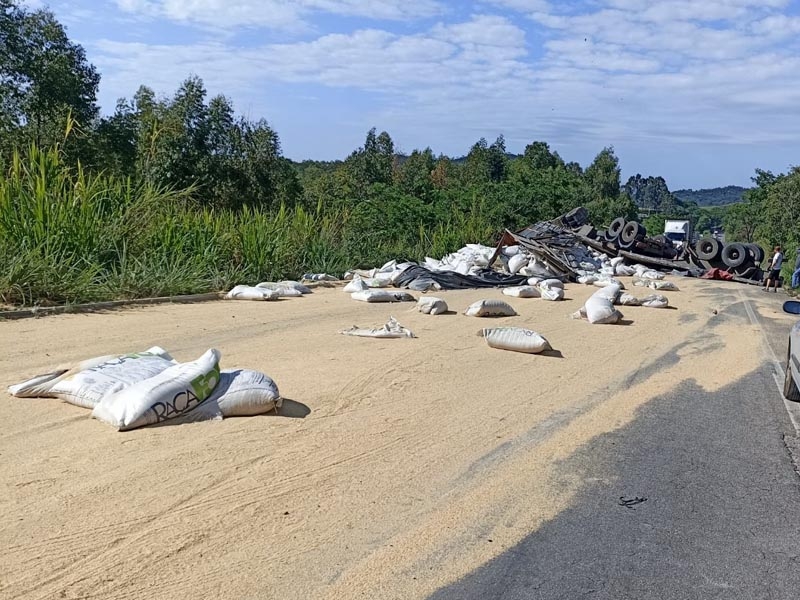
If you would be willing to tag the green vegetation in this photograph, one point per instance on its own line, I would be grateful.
(180, 195)
(721, 196)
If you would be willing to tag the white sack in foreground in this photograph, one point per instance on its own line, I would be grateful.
(93, 379)
(431, 305)
(599, 308)
(173, 392)
(392, 329)
(490, 308)
(516, 339)
(248, 292)
(382, 296)
(243, 393)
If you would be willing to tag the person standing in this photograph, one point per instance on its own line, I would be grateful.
(796, 272)
(775, 265)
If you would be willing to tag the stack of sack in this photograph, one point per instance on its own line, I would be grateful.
(268, 290)
(134, 390)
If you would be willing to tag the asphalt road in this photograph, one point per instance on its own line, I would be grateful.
(699, 497)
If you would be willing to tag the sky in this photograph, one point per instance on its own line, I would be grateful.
(700, 92)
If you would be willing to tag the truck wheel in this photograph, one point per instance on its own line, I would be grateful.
(662, 239)
(734, 255)
(632, 231)
(615, 228)
(707, 248)
(756, 253)
(790, 391)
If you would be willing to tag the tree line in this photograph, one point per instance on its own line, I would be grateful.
(199, 165)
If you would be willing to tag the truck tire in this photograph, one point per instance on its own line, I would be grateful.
(616, 227)
(756, 253)
(734, 255)
(632, 231)
(707, 248)
(662, 239)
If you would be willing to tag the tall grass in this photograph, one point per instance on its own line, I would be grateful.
(68, 236)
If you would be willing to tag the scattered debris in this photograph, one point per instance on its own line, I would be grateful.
(392, 329)
(631, 502)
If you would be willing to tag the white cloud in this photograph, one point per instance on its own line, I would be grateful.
(277, 14)
(626, 72)
(482, 49)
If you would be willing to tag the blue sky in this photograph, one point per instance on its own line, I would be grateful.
(701, 92)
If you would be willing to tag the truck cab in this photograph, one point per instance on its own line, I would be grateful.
(679, 232)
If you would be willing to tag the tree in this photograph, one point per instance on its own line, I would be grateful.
(413, 175)
(781, 213)
(602, 176)
(44, 77)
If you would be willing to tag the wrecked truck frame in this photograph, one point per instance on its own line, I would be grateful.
(560, 243)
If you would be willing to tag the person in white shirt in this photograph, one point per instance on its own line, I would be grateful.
(775, 265)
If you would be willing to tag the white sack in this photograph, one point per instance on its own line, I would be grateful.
(510, 250)
(388, 267)
(382, 296)
(319, 277)
(89, 387)
(176, 390)
(534, 280)
(247, 292)
(551, 283)
(431, 305)
(624, 270)
(242, 393)
(87, 383)
(655, 301)
(650, 274)
(303, 289)
(378, 282)
(356, 285)
(600, 307)
(516, 339)
(617, 260)
(283, 291)
(666, 286)
(552, 294)
(522, 291)
(605, 280)
(628, 300)
(490, 308)
(587, 279)
(516, 262)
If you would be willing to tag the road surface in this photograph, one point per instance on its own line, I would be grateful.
(645, 460)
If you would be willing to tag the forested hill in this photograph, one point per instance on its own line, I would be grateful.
(712, 197)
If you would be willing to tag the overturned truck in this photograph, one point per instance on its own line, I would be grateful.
(560, 243)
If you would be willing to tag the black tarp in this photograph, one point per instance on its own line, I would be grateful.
(421, 279)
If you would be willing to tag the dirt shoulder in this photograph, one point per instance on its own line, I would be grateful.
(413, 454)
